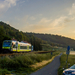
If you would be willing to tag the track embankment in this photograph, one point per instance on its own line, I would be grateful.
(35, 52)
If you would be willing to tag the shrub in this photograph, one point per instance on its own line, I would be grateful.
(23, 61)
(4, 72)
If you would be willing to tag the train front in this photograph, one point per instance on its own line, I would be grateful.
(6, 46)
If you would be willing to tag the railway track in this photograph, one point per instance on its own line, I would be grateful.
(35, 52)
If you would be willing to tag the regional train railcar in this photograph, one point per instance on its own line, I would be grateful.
(16, 46)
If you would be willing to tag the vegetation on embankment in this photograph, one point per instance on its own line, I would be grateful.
(21, 63)
(71, 61)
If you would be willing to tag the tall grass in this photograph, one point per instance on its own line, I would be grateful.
(20, 62)
(71, 61)
(4, 72)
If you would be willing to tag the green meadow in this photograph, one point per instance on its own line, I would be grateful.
(20, 64)
(63, 58)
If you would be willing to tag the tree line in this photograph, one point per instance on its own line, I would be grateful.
(7, 32)
(56, 40)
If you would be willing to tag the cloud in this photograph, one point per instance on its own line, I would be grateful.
(59, 21)
(45, 24)
(72, 10)
(7, 22)
(21, 2)
(44, 20)
(58, 24)
(32, 18)
(54, 24)
(62, 20)
(6, 4)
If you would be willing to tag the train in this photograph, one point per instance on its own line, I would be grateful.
(16, 46)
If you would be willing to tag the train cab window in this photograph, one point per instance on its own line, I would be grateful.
(6, 44)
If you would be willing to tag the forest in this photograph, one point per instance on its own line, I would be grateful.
(8, 32)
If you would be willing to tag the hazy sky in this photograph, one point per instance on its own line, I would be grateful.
(40, 16)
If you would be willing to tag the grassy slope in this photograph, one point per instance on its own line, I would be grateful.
(71, 61)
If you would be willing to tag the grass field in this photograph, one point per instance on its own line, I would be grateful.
(71, 61)
(20, 64)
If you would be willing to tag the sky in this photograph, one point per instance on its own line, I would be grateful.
(40, 16)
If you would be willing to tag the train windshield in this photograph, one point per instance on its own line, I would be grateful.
(6, 44)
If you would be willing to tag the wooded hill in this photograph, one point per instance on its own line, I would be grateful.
(36, 39)
(56, 40)
(8, 32)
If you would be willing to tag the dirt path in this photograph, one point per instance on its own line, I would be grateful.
(50, 69)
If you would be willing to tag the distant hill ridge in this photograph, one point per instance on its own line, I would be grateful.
(56, 39)
(37, 37)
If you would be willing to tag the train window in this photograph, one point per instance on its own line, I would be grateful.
(29, 47)
(23, 47)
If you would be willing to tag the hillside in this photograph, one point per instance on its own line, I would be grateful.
(8, 32)
(56, 39)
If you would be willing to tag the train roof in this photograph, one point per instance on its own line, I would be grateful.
(21, 43)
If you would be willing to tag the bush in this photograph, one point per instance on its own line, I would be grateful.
(23, 61)
(4, 72)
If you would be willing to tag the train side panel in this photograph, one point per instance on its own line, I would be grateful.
(16, 46)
